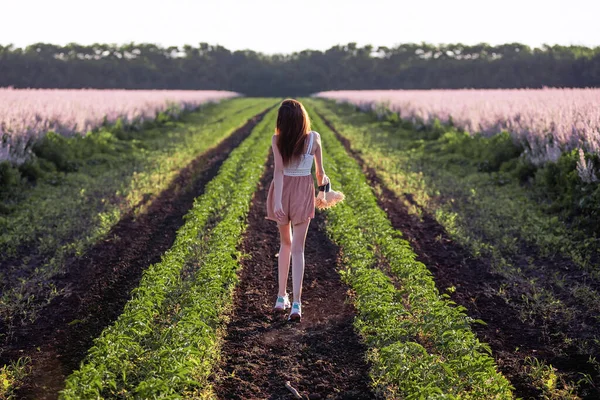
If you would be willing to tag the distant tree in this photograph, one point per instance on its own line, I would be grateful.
(206, 66)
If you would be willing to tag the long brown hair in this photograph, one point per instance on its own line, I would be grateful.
(293, 125)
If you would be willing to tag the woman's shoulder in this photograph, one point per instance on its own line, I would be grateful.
(316, 136)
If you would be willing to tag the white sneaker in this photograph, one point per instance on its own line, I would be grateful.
(296, 313)
(282, 303)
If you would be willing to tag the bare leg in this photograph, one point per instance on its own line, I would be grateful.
(285, 236)
(298, 242)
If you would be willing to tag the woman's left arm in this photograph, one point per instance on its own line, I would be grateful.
(322, 179)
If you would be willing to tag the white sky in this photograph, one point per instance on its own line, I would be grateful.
(277, 26)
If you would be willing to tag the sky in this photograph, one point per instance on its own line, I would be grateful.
(278, 26)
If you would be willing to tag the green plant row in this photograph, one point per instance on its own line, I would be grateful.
(165, 342)
(62, 215)
(494, 217)
(421, 344)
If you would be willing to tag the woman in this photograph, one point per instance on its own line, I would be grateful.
(291, 198)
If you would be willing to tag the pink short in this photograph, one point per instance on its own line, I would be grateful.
(297, 199)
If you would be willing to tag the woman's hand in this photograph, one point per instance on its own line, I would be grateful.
(324, 180)
(278, 211)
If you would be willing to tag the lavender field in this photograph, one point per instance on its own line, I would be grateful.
(546, 121)
(28, 114)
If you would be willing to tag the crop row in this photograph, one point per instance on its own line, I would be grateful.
(166, 340)
(421, 344)
(65, 213)
(499, 222)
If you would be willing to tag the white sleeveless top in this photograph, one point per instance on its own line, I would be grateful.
(304, 165)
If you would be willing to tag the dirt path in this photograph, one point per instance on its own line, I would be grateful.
(321, 356)
(511, 340)
(99, 283)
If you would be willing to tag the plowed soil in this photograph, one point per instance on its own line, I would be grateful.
(99, 283)
(321, 356)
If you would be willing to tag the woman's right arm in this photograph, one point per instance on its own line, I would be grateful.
(322, 179)
(277, 179)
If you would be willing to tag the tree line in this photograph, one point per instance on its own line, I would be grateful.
(342, 67)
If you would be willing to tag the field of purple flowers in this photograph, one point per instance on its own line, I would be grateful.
(546, 122)
(26, 115)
